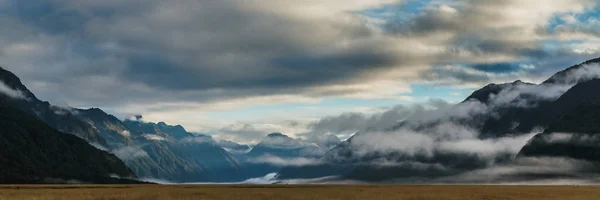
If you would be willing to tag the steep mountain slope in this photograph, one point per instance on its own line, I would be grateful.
(165, 152)
(58, 118)
(171, 153)
(110, 128)
(33, 152)
(161, 129)
(151, 150)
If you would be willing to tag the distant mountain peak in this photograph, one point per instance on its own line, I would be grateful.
(483, 94)
(559, 77)
(14, 83)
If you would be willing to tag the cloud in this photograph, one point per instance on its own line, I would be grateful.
(198, 139)
(253, 133)
(350, 123)
(175, 61)
(536, 171)
(153, 137)
(242, 50)
(279, 161)
(267, 179)
(570, 138)
(444, 138)
(448, 140)
(154, 39)
(583, 73)
(99, 146)
(125, 133)
(12, 93)
(129, 153)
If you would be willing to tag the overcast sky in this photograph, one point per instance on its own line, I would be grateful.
(240, 69)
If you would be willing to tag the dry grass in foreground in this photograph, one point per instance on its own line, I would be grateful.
(250, 192)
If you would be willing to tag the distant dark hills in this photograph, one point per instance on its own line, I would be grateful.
(139, 149)
(58, 118)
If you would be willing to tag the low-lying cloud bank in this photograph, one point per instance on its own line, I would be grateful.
(280, 161)
(8, 91)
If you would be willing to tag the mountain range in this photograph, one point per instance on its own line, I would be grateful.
(153, 151)
(563, 111)
(41, 143)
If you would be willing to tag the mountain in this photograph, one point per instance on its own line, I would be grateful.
(562, 76)
(233, 147)
(280, 145)
(566, 103)
(577, 117)
(484, 94)
(276, 151)
(33, 152)
(173, 154)
(161, 129)
(326, 142)
(108, 126)
(150, 150)
(62, 119)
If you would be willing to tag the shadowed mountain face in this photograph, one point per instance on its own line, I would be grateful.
(575, 123)
(165, 152)
(484, 94)
(574, 135)
(151, 150)
(62, 119)
(33, 152)
(161, 129)
(189, 159)
(110, 128)
(565, 106)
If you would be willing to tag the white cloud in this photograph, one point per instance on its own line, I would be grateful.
(153, 137)
(125, 133)
(278, 161)
(129, 153)
(513, 173)
(12, 93)
(243, 54)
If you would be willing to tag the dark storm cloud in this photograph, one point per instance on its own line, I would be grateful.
(496, 67)
(113, 52)
(47, 15)
(194, 46)
(287, 71)
(503, 32)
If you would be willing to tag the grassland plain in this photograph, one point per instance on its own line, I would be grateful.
(251, 192)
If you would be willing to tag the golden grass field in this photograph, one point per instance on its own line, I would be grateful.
(251, 192)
